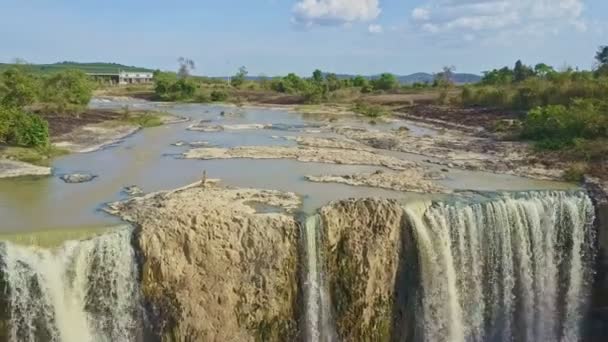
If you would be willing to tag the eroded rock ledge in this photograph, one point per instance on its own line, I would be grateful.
(598, 323)
(370, 263)
(214, 269)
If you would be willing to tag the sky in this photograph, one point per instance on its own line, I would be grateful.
(275, 37)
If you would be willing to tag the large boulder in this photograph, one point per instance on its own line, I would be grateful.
(370, 263)
(214, 269)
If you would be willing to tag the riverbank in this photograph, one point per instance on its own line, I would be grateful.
(90, 131)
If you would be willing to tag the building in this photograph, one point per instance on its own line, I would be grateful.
(136, 77)
(124, 77)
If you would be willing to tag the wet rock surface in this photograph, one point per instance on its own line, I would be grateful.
(73, 178)
(132, 190)
(598, 323)
(368, 254)
(304, 154)
(13, 168)
(414, 179)
(215, 269)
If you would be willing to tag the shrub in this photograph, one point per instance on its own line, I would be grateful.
(372, 111)
(68, 90)
(386, 81)
(18, 88)
(556, 126)
(202, 97)
(22, 129)
(219, 96)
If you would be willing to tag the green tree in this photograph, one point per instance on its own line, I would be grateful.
(521, 72)
(602, 56)
(68, 90)
(317, 76)
(333, 83)
(386, 81)
(498, 76)
(361, 82)
(238, 79)
(163, 82)
(602, 61)
(22, 129)
(18, 87)
(543, 70)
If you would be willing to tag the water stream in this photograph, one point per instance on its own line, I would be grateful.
(319, 325)
(515, 268)
(81, 291)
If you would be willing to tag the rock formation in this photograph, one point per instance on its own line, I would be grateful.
(213, 269)
(367, 252)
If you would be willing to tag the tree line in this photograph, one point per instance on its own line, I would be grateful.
(564, 110)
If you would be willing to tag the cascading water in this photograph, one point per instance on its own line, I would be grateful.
(318, 320)
(517, 268)
(84, 291)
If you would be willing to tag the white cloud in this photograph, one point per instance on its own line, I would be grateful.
(374, 28)
(332, 12)
(469, 18)
(420, 13)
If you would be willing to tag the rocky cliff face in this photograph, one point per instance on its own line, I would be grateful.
(598, 320)
(214, 269)
(369, 263)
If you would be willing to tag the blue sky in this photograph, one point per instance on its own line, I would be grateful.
(275, 37)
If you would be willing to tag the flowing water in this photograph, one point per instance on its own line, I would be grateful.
(515, 268)
(318, 323)
(81, 291)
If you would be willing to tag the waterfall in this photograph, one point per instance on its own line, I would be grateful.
(318, 319)
(514, 268)
(82, 291)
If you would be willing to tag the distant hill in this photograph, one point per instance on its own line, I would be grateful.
(422, 77)
(86, 67)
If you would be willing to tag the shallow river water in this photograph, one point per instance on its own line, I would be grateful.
(46, 206)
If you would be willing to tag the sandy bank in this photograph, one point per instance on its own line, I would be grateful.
(13, 168)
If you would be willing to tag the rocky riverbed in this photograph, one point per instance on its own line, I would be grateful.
(457, 149)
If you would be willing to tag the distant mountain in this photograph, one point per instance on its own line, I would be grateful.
(86, 67)
(423, 77)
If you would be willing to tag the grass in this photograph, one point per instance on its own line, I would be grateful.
(33, 155)
(144, 119)
(370, 110)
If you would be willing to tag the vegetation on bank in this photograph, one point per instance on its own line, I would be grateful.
(22, 93)
(318, 88)
(564, 111)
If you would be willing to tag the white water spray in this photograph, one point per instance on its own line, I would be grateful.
(319, 325)
(517, 268)
(84, 291)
